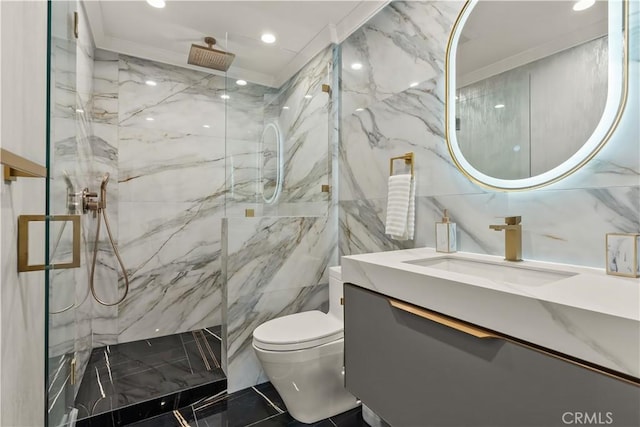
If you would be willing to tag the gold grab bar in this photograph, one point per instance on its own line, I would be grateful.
(443, 320)
(408, 159)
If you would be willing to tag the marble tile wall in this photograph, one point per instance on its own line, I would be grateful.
(273, 267)
(406, 43)
(301, 110)
(173, 189)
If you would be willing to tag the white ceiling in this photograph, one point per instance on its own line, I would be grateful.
(500, 35)
(303, 28)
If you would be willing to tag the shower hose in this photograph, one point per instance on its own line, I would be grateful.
(95, 256)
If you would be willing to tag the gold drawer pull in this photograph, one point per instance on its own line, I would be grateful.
(443, 320)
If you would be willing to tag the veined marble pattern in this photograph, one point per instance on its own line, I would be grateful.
(399, 46)
(564, 222)
(410, 121)
(105, 87)
(177, 172)
(171, 250)
(304, 125)
(273, 267)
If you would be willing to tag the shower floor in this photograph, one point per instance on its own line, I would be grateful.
(127, 382)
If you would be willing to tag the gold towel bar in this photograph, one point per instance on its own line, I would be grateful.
(408, 159)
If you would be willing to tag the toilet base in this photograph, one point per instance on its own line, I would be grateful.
(309, 381)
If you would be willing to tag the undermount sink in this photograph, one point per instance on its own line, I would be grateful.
(496, 272)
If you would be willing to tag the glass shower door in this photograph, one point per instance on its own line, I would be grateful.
(62, 193)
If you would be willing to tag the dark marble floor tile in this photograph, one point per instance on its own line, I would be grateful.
(286, 420)
(352, 418)
(240, 409)
(145, 378)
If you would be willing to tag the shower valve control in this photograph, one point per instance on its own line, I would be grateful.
(90, 202)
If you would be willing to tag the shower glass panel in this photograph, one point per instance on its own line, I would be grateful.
(299, 109)
(66, 347)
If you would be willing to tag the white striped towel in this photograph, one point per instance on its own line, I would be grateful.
(401, 207)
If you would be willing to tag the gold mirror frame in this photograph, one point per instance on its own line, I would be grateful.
(548, 177)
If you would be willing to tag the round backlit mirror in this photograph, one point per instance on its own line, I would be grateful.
(534, 88)
(270, 163)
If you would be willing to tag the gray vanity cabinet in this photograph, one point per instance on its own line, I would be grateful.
(416, 372)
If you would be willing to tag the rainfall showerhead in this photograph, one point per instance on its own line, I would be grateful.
(209, 57)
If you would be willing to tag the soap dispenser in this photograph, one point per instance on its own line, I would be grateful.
(446, 235)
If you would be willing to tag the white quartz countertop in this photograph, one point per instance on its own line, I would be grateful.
(587, 313)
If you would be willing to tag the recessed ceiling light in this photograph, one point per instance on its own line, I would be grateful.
(414, 84)
(516, 148)
(498, 106)
(150, 119)
(159, 4)
(241, 82)
(285, 108)
(206, 126)
(150, 83)
(158, 330)
(359, 109)
(268, 38)
(225, 96)
(308, 96)
(583, 4)
(79, 110)
(356, 66)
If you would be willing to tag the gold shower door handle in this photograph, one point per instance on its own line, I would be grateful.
(23, 242)
(443, 320)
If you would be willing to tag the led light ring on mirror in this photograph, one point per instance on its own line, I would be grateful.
(618, 45)
(276, 192)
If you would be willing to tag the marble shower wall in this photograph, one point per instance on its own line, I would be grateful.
(565, 222)
(273, 267)
(301, 110)
(172, 190)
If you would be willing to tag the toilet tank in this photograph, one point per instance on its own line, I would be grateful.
(335, 292)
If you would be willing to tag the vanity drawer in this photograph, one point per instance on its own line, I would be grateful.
(417, 372)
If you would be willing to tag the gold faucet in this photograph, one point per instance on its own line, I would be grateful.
(512, 237)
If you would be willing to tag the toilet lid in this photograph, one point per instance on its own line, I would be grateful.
(298, 331)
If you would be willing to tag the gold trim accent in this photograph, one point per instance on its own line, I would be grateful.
(635, 254)
(72, 368)
(596, 150)
(326, 88)
(17, 166)
(443, 320)
(201, 351)
(180, 418)
(341, 300)
(23, 242)
(408, 159)
(482, 333)
(76, 25)
(249, 213)
(209, 350)
(325, 188)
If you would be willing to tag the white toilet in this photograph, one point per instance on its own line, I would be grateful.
(302, 355)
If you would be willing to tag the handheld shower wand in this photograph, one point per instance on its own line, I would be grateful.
(99, 207)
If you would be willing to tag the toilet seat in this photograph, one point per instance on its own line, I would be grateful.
(298, 331)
